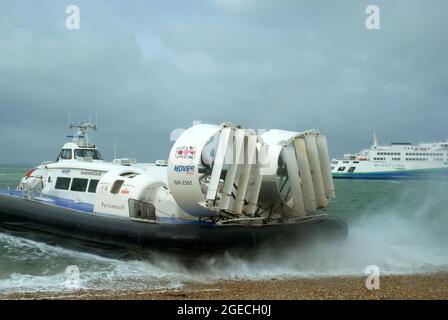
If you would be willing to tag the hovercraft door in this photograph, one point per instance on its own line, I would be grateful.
(140, 210)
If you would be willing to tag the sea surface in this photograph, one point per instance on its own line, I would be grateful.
(399, 226)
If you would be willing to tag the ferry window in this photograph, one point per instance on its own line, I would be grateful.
(79, 185)
(351, 170)
(92, 185)
(88, 153)
(62, 183)
(66, 154)
(117, 186)
(341, 169)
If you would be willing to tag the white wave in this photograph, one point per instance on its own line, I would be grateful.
(170, 272)
(48, 269)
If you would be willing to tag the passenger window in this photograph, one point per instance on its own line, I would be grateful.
(79, 185)
(92, 186)
(351, 170)
(117, 186)
(341, 169)
(62, 183)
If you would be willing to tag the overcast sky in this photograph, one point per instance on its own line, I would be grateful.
(147, 67)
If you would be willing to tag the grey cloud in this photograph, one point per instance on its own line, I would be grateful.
(147, 67)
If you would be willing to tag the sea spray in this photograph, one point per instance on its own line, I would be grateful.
(402, 229)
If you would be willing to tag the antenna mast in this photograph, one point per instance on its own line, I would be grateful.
(375, 140)
(82, 130)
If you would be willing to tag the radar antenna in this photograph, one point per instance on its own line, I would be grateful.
(81, 134)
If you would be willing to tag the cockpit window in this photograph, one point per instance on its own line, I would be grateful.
(66, 154)
(88, 153)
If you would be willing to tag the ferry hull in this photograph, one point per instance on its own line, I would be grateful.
(396, 175)
(22, 214)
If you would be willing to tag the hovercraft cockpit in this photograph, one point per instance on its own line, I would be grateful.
(80, 148)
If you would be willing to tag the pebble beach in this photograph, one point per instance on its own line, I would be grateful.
(397, 287)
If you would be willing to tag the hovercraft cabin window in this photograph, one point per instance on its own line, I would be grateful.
(92, 186)
(88, 153)
(66, 154)
(62, 183)
(79, 185)
(116, 186)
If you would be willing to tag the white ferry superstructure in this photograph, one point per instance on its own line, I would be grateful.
(399, 160)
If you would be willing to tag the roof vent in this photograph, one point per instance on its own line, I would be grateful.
(162, 163)
(125, 161)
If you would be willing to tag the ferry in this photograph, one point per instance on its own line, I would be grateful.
(222, 187)
(399, 160)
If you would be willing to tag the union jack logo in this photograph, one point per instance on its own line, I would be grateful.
(186, 152)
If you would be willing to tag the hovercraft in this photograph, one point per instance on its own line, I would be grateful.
(222, 187)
